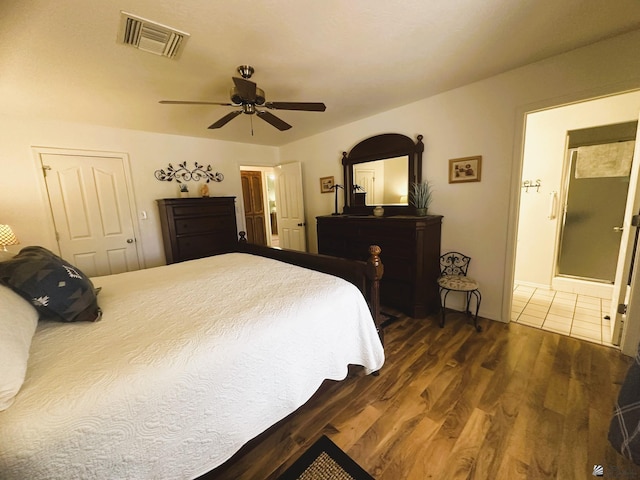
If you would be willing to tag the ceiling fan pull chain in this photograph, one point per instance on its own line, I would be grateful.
(251, 118)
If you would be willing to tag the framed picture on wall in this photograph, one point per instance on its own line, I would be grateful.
(326, 184)
(466, 169)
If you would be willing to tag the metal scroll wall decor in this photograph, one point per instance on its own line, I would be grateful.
(183, 174)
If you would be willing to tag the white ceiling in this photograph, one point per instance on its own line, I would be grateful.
(60, 59)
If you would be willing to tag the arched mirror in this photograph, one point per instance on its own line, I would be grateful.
(380, 171)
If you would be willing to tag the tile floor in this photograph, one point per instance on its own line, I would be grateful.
(578, 316)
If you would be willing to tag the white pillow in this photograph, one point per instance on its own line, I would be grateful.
(18, 322)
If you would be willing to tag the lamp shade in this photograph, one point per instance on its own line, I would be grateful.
(7, 236)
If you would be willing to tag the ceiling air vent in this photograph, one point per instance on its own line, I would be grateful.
(150, 36)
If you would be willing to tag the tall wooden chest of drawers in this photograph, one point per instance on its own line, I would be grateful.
(410, 254)
(197, 227)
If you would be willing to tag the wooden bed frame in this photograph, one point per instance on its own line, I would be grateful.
(364, 275)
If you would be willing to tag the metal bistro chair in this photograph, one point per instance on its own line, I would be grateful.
(453, 278)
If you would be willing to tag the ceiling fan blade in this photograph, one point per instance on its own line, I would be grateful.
(246, 88)
(226, 119)
(273, 120)
(306, 106)
(189, 102)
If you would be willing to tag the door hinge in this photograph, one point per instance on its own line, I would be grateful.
(57, 234)
(622, 309)
(45, 168)
(635, 221)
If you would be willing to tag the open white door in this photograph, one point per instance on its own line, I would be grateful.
(623, 288)
(290, 207)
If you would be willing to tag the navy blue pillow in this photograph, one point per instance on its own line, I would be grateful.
(58, 290)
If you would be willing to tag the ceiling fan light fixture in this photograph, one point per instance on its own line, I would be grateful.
(237, 99)
(260, 98)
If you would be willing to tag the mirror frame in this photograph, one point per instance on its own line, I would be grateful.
(380, 147)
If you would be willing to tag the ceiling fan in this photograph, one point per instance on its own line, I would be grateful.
(248, 96)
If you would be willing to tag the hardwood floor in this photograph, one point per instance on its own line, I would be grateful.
(507, 403)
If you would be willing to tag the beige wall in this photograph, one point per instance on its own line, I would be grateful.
(23, 201)
(484, 118)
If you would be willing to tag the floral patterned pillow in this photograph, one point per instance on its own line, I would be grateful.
(57, 289)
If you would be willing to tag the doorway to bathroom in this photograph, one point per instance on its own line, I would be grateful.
(564, 281)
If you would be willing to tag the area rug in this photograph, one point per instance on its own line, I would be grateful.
(325, 461)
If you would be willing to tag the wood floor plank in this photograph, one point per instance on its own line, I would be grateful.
(375, 448)
(537, 390)
(511, 402)
(513, 469)
(574, 446)
(581, 364)
(518, 443)
(411, 453)
(462, 460)
(350, 429)
(545, 432)
(505, 407)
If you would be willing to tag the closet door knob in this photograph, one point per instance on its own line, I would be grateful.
(618, 229)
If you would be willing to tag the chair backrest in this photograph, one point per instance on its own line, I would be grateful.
(454, 263)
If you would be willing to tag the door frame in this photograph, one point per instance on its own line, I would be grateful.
(631, 333)
(38, 151)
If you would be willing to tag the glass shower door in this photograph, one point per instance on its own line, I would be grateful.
(596, 196)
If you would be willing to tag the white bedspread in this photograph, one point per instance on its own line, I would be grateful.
(189, 362)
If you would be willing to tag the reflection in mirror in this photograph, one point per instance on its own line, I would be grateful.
(383, 166)
(383, 182)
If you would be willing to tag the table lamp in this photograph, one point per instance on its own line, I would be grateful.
(7, 237)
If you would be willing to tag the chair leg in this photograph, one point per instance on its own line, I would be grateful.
(478, 300)
(443, 305)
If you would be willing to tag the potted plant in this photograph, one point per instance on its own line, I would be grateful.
(420, 197)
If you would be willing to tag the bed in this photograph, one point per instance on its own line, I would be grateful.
(188, 363)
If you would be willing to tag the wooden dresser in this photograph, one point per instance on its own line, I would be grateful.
(410, 254)
(197, 227)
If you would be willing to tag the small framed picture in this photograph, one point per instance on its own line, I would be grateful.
(326, 184)
(465, 169)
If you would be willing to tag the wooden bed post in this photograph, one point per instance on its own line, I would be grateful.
(375, 270)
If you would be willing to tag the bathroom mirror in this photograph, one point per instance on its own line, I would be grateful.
(379, 171)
